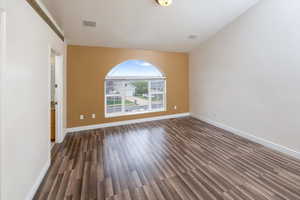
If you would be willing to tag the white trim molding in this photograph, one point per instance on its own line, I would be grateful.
(38, 181)
(104, 125)
(264, 142)
(2, 69)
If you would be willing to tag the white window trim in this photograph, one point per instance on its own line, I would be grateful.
(135, 78)
(150, 110)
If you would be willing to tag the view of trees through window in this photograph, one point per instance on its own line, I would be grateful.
(134, 87)
(133, 96)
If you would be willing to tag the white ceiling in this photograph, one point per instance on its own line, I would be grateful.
(142, 24)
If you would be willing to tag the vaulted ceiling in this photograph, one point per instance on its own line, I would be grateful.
(143, 24)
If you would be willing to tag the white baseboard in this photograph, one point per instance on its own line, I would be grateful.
(104, 125)
(251, 137)
(38, 181)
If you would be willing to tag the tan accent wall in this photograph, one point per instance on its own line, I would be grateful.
(86, 71)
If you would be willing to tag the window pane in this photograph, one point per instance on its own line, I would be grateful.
(113, 87)
(157, 101)
(157, 85)
(113, 104)
(136, 96)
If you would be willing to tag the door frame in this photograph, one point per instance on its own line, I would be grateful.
(2, 69)
(59, 80)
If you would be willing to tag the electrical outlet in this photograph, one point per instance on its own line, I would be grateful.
(93, 115)
(81, 117)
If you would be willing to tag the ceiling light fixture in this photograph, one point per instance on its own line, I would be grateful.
(164, 2)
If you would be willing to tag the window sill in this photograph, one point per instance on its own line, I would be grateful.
(133, 113)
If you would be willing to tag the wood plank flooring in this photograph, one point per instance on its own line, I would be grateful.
(176, 159)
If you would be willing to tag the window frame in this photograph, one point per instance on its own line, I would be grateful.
(150, 93)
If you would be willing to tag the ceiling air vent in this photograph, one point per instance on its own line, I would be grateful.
(89, 23)
(193, 37)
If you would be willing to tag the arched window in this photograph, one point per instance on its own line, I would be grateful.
(134, 87)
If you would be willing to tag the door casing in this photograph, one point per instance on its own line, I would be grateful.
(59, 70)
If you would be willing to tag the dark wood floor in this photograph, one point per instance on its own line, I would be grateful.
(169, 159)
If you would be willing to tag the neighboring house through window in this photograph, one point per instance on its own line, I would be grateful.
(134, 87)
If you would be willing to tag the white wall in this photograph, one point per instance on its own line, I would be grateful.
(248, 75)
(26, 99)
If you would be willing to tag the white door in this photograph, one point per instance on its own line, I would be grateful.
(59, 66)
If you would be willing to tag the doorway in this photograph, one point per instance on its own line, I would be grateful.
(56, 100)
(53, 102)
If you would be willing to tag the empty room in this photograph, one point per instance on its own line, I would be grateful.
(149, 100)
